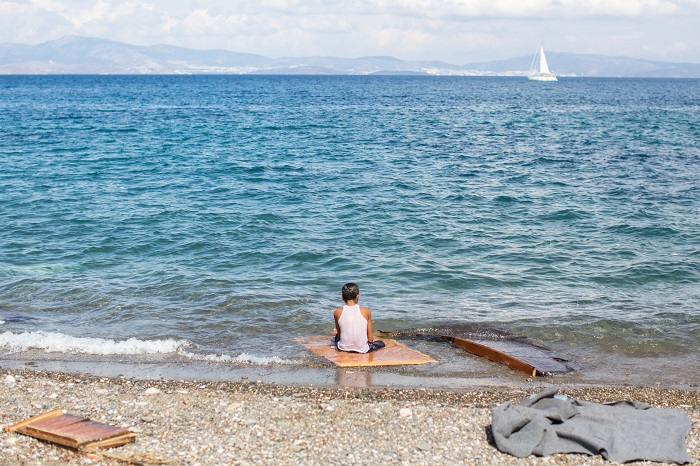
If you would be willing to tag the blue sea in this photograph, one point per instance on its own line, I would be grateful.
(208, 221)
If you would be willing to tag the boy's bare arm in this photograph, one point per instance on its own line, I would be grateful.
(336, 316)
(367, 314)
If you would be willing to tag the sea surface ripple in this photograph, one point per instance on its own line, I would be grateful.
(225, 212)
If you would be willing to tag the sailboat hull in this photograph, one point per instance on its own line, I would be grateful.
(542, 78)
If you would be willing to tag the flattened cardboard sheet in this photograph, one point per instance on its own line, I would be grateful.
(394, 354)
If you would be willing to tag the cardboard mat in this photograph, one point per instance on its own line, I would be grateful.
(394, 354)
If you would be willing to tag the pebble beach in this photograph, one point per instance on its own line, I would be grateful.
(249, 423)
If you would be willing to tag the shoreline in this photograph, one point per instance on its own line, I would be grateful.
(476, 373)
(196, 422)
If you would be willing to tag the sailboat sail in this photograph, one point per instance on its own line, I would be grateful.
(544, 68)
(539, 71)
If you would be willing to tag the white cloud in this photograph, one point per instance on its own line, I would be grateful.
(459, 31)
(484, 9)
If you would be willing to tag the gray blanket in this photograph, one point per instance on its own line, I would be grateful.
(620, 432)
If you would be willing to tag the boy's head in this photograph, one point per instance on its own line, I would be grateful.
(350, 292)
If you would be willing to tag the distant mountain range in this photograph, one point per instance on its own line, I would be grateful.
(84, 55)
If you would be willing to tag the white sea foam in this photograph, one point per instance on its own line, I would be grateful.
(61, 343)
(51, 342)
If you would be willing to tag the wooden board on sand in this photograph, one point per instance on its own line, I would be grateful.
(72, 431)
(394, 354)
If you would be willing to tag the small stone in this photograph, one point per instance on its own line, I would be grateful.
(244, 377)
(53, 396)
(405, 412)
(423, 446)
(101, 391)
(152, 391)
(9, 380)
(233, 406)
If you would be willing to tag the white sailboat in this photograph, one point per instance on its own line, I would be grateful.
(539, 70)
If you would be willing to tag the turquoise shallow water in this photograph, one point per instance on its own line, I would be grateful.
(218, 217)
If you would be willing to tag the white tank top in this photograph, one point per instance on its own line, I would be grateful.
(353, 330)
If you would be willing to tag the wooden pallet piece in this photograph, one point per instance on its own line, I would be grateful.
(72, 431)
(39, 417)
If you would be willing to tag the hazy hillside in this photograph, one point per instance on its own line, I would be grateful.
(83, 55)
(88, 55)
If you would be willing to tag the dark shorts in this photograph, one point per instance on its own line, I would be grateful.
(375, 345)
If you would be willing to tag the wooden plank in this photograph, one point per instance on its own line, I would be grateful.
(110, 442)
(545, 360)
(54, 423)
(393, 354)
(49, 436)
(531, 360)
(496, 356)
(52, 429)
(91, 431)
(73, 431)
(39, 417)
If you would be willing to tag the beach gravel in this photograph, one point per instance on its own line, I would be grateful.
(248, 423)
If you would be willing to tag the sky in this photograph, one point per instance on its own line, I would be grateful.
(455, 31)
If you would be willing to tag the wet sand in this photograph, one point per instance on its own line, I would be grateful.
(248, 422)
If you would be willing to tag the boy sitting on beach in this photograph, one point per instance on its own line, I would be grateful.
(353, 324)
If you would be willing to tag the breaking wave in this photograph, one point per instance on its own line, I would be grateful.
(51, 342)
(61, 343)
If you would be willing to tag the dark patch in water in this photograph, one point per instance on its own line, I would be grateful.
(468, 330)
(9, 316)
(545, 360)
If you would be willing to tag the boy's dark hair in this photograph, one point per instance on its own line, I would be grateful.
(350, 291)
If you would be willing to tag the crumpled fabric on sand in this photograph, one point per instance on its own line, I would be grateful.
(622, 431)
